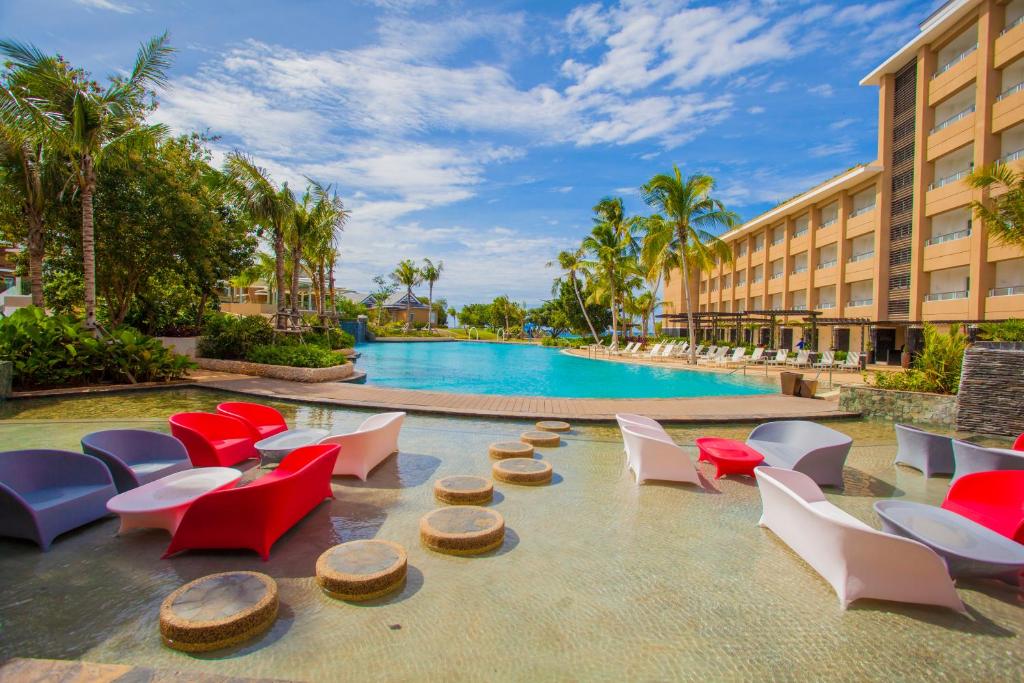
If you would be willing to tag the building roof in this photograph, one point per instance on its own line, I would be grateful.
(396, 300)
(931, 28)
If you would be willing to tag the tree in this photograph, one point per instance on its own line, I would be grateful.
(94, 128)
(610, 263)
(501, 312)
(1005, 217)
(600, 316)
(318, 216)
(440, 309)
(431, 273)
(571, 262)
(382, 292)
(452, 313)
(407, 275)
(475, 315)
(551, 316)
(689, 213)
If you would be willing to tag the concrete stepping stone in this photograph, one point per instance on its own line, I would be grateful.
(541, 439)
(525, 471)
(462, 530)
(218, 611)
(362, 570)
(510, 449)
(553, 426)
(464, 490)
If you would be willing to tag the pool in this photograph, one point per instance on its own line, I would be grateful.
(529, 370)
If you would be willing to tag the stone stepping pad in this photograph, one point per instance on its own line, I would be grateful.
(510, 449)
(553, 426)
(362, 570)
(462, 530)
(218, 611)
(540, 438)
(522, 471)
(464, 490)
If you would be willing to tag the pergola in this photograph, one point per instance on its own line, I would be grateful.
(769, 318)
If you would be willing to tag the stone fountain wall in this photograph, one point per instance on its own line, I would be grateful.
(991, 399)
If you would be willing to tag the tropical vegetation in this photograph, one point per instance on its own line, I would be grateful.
(1003, 213)
(936, 369)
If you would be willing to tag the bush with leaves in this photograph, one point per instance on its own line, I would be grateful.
(935, 370)
(1007, 331)
(295, 356)
(231, 337)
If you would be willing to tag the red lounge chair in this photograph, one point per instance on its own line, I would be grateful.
(264, 419)
(256, 515)
(1018, 445)
(214, 440)
(993, 499)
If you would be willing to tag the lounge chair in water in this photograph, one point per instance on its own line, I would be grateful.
(368, 446)
(214, 440)
(970, 457)
(930, 453)
(804, 446)
(652, 455)
(137, 456)
(264, 419)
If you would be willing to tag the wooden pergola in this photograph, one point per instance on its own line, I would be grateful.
(766, 318)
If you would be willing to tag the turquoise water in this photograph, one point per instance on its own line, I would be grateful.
(527, 370)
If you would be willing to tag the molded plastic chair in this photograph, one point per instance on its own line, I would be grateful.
(1018, 445)
(930, 453)
(856, 560)
(652, 454)
(44, 493)
(214, 440)
(992, 499)
(137, 456)
(780, 358)
(970, 458)
(264, 419)
(368, 446)
(803, 446)
(256, 515)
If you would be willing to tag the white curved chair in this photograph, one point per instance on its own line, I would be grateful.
(368, 446)
(641, 420)
(652, 454)
(857, 560)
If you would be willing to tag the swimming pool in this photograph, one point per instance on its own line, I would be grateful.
(528, 370)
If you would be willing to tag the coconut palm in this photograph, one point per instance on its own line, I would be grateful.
(91, 126)
(431, 273)
(610, 263)
(407, 275)
(690, 212)
(22, 160)
(1004, 218)
(571, 262)
(317, 218)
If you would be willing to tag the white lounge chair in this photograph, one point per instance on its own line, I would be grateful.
(634, 420)
(803, 358)
(655, 350)
(716, 357)
(828, 360)
(652, 454)
(368, 446)
(757, 357)
(738, 356)
(857, 560)
(852, 361)
(628, 349)
(667, 351)
(780, 358)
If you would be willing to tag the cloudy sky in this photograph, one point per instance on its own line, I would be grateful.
(482, 133)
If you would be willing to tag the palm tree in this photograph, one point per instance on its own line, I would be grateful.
(1005, 217)
(381, 294)
(317, 218)
(431, 273)
(407, 275)
(610, 263)
(689, 213)
(271, 207)
(91, 126)
(571, 262)
(23, 160)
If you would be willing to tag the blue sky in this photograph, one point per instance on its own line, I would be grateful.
(482, 134)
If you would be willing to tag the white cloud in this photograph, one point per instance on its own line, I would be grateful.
(831, 149)
(565, 189)
(110, 5)
(767, 186)
(756, 110)
(823, 90)
(842, 123)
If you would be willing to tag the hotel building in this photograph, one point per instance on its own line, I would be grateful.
(886, 246)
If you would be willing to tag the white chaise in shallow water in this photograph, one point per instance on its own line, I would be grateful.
(368, 446)
(652, 455)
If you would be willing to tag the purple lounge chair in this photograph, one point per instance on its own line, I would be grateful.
(44, 493)
(970, 457)
(803, 446)
(137, 456)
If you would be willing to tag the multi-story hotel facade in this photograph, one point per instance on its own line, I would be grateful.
(887, 246)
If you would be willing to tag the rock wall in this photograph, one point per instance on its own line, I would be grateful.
(333, 374)
(900, 406)
(991, 397)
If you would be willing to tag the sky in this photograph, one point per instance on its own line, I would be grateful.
(481, 134)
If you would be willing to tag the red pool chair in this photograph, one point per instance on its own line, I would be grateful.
(214, 440)
(1018, 445)
(257, 514)
(993, 499)
(264, 419)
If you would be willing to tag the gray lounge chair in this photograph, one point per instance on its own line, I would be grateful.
(44, 493)
(970, 457)
(930, 453)
(808, 447)
(137, 456)
(969, 549)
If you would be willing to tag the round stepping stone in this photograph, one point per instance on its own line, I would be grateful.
(510, 449)
(218, 611)
(522, 471)
(540, 438)
(553, 426)
(462, 530)
(362, 570)
(463, 490)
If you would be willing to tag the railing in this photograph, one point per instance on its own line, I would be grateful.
(826, 264)
(799, 269)
(799, 233)
(757, 249)
(1006, 291)
(945, 296)
(860, 302)
(861, 257)
(829, 223)
(959, 175)
(776, 242)
(862, 210)
(953, 119)
(956, 60)
(825, 305)
(775, 276)
(1012, 156)
(1010, 91)
(799, 307)
(757, 281)
(950, 236)
(1012, 25)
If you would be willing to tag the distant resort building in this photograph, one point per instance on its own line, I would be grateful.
(395, 308)
(885, 247)
(14, 292)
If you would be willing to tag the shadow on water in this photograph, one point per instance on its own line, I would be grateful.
(975, 623)
(405, 470)
(860, 484)
(283, 624)
(497, 498)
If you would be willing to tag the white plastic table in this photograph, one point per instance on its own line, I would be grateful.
(274, 448)
(162, 503)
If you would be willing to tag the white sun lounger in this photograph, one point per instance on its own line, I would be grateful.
(802, 359)
(718, 356)
(828, 360)
(780, 358)
(737, 356)
(852, 361)
(362, 450)
(757, 357)
(652, 454)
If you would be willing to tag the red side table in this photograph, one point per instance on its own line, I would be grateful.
(728, 456)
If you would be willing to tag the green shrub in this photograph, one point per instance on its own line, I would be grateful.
(329, 338)
(935, 370)
(230, 337)
(56, 351)
(1009, 331)
(295, 355)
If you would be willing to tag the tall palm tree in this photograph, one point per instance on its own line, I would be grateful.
(690, 212)
(431, 273)
(23, 161)
(271, 207)
(610, 262)
(571, 262)
(91, 126)
(407, 275)
(317, 217)
(1005, 217)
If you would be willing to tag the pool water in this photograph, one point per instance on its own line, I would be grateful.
(531, 370)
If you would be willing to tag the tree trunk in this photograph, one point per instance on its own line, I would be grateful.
(691, 329)
(202, 309)
(321, 293)
(430, 302)
(279, 275)
(615, 314)
(36, 236)
(88, 243)
(334, 302)
(576, 290)
(408, 309)
(296, 269)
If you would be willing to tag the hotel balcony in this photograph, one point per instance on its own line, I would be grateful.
(947, 251)
(953, 75)
(948, 193)
(860, 266)
(1009, 44)
(859, 308)
(1008, 109)
(1005, 302)
(951, 134)
(825, 265)
(945, 305)
(861, 221)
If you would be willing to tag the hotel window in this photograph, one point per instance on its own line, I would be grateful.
(1009, 278)
(775, 302)
(829, 215)
(741, 248)
(955, 109)
(827, 256)
(726, 281)
(953, 167)
(703, 286)
(800, 225)
(826, 297)
(957, 50)
(758, 275)
(778, 235)
(948, 283)
(1014, 15)
(863, 202)
(861, 293)
(1011, 143)
(800, 263)
(776, 269)
(755, 304)
(758, 242)
(1012, 78)
(800, 300)
(862, 248)
(741, 278)
(950, 226)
